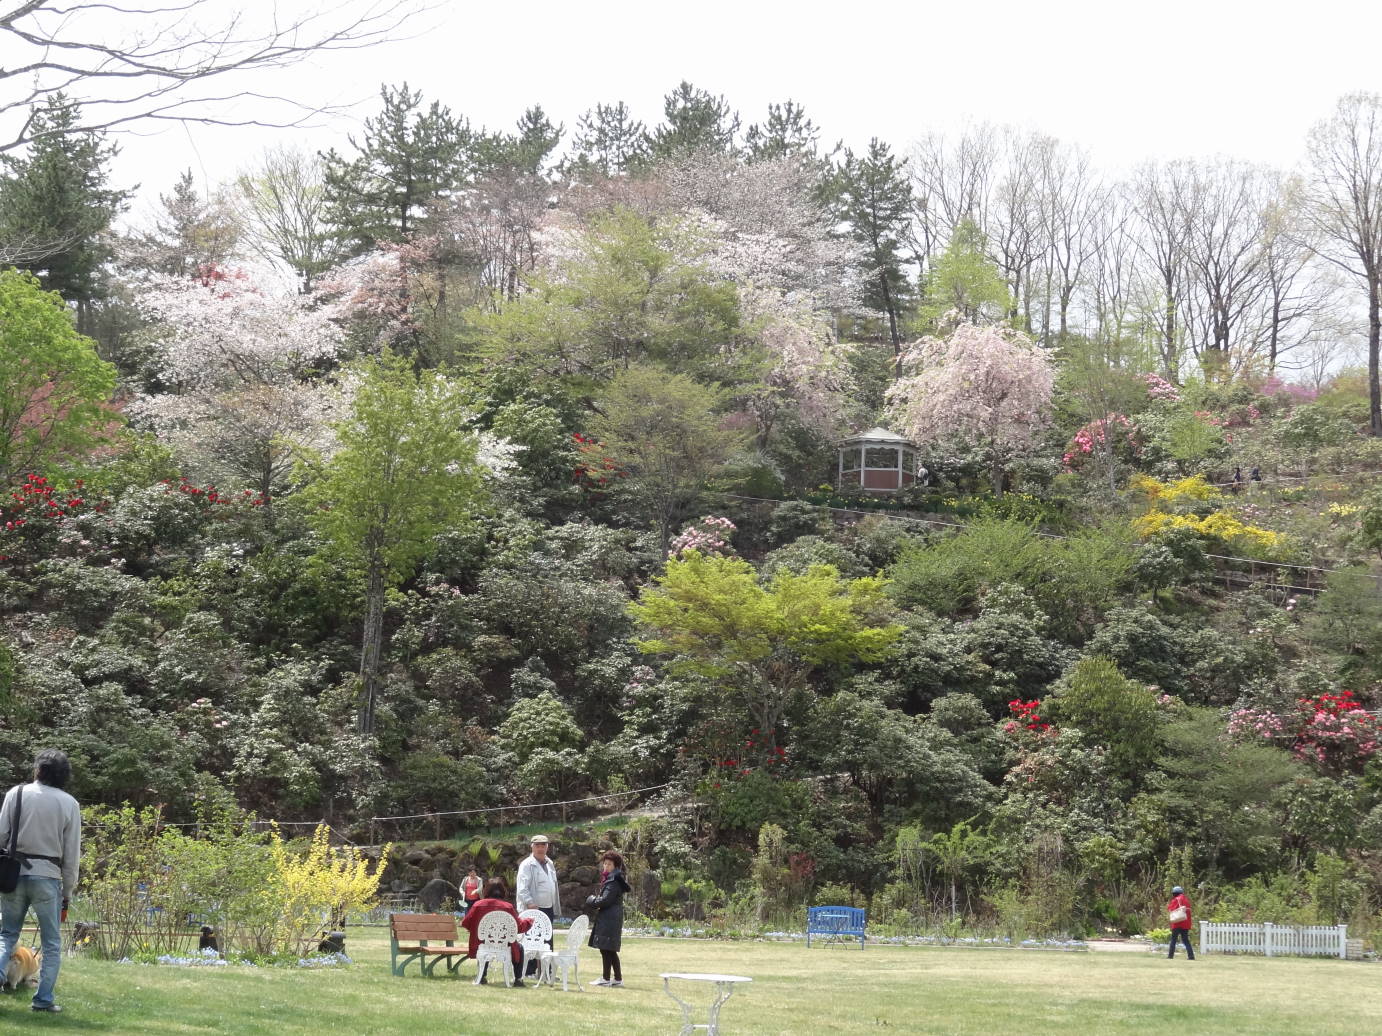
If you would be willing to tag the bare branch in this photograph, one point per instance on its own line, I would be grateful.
(127, 63)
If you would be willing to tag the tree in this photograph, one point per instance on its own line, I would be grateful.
(1163, 202)
(54, 389)
(282, 213)
(696, 121)
(964, 281)
(667, 431)
(1113, 711)
(405, 471)
(761, 643)
(988, 384)
(528, 150)
(1345, 207)
(58, 194)
(874, 199)
(146, 62)
(406, 158)
(189, 238)
(237, 362)
(787, 133)
(608, 141)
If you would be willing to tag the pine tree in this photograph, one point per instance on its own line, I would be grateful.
(408, 157)
(872, 196)
(696, 121)
(608, 141)
(537, 138)
(787, 132)
(59, 203)
(190, 236)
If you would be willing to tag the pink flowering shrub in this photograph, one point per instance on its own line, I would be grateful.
(1274, 387)
(1159, 388)
(708, 535)
(1333, 731)
(1115, 429)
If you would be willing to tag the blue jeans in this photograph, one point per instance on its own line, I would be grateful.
(44, 896)
(1182, 934)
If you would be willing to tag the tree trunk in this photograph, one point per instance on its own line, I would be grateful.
(372, 644)
(1374, 339)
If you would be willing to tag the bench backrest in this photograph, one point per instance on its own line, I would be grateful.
(423, 928)
(831, 919)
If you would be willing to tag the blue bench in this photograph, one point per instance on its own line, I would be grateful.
(835, 921)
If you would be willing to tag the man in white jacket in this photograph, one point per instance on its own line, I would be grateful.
(537, 887)
(49, 845)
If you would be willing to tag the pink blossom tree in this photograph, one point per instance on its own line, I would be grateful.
(989, 385)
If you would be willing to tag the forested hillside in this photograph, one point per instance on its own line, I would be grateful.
(470, 469)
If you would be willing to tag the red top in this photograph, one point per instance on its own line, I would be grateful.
(470, 888)
(471, 922)
(1181, 901)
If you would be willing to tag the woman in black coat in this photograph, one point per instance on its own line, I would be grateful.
(608, 904)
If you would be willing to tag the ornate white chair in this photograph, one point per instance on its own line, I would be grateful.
(496, 933)
(534, 941)
(567, 959)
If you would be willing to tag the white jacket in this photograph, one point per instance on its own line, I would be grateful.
(537, 886)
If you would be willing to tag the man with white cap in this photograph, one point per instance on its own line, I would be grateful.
(537, 883)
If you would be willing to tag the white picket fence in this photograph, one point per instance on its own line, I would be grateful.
(1274, 940)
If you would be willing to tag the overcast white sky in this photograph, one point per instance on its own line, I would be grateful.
(1127, 79)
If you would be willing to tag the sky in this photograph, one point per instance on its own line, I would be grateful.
(1126, 79)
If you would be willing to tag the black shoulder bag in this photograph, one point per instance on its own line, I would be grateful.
(9, 859)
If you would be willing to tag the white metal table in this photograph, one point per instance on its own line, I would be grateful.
(724, 989)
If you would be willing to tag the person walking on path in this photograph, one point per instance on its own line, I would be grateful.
(537, 888)
(496, 898)
(1178, 910)
(608, 904)
(44, 824)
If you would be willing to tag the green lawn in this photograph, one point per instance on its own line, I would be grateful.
(824, 990)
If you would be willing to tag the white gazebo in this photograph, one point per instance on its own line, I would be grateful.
(877, 461)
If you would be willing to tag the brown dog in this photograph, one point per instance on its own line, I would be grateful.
(23, 969)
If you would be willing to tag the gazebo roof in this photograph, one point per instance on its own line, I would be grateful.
(878, 435)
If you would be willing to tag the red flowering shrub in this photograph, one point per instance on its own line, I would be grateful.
(595, 470)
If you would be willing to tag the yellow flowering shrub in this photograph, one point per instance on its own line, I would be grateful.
(312, 889)
(1344, 510)
(1183, 493)
(1221, 525)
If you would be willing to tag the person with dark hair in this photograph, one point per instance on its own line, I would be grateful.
(45, 825)
(496, 898)
(606, 935)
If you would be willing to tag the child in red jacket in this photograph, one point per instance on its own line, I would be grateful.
(1178, 910)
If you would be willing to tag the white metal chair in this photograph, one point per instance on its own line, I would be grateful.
(567, 959)
(534, 941)
(497, 931)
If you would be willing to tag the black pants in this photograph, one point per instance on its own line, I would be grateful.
(551, 914)
(1184, 934)
(610, 960)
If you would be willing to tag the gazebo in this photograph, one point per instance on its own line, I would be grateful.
(878, 461)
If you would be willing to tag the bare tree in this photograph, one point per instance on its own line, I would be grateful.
(170, 60)
(951, 181)
(1016, 229)
(1345, 207)
(1164, 204)
(1073, 204)
(282, 212)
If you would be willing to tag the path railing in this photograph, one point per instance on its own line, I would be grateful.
(1275, 940)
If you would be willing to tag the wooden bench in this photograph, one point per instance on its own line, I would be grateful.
(835, 921)
(423, 936)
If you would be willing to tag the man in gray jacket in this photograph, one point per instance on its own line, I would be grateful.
(537, 888)
(50, 848)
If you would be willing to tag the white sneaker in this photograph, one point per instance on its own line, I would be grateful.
(617, 982)
(602, 982)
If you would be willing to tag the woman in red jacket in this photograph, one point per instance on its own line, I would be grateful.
(1179, 912)
(496, 898)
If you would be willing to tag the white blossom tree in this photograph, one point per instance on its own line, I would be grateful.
(988, 385)
(239, 366)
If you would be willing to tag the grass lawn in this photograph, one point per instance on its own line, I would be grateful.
(827, 989)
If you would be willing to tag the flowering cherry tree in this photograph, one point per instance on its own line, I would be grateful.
(239, 361)
(987, 384)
